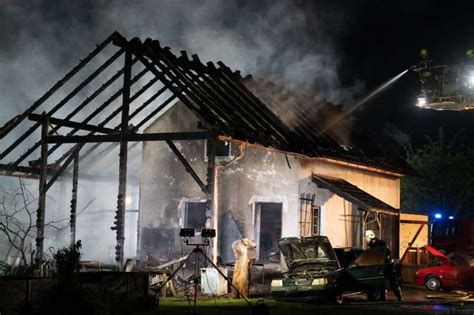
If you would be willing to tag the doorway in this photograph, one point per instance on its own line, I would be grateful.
(268, 230)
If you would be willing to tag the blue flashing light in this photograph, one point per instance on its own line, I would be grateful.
(438, 215)
(451, 217)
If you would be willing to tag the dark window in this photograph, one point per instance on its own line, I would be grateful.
(315, 220)
(222, 148)
(195, 215)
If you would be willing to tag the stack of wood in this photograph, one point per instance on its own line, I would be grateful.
(244, 252)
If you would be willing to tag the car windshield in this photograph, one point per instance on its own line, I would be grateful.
(311, 250)
(371, 257)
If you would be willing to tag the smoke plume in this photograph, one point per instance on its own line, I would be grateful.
(293, 43)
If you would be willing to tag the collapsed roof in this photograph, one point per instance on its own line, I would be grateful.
(214, 93)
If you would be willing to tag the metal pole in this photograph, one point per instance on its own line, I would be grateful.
(122, 189)
(75, 179)
(42, 191)
(196, 277)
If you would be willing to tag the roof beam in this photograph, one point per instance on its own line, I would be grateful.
(187, 167)
(73, 124)
(15, 121)
(198, 135)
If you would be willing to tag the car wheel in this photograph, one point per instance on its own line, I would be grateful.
(433, 283)
(372, 295)
(338, 298)
(377, 295)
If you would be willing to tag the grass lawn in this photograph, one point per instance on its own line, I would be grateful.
(228, 306)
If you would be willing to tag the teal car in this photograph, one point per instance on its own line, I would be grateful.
(368, 273)
(315, 273)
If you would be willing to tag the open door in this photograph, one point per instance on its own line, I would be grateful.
(368, 269)
(268, 231)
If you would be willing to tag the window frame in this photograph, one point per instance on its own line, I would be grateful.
(314, 209)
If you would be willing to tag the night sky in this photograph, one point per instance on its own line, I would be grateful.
(386, 39)
(342, 49)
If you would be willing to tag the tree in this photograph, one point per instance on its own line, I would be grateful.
(17, 220)
(446, 183)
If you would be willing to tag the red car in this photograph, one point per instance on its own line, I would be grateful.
(445, 275)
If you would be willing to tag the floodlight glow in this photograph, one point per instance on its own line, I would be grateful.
(470, 79)
(451, 217)
(421, 101)
(438, 215)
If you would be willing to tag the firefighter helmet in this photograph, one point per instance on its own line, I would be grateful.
(369, 235)
(424, 53)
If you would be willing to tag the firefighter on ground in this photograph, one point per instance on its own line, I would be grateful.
(374, 242)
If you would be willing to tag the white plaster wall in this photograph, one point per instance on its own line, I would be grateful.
(261, 176)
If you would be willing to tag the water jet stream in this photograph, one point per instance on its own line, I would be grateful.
(364, 100)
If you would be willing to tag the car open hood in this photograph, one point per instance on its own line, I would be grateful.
(437, 253)
(314, 252)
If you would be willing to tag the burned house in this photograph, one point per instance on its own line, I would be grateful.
(213, 155)
(270, 179)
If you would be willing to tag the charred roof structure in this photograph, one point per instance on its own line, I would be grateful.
(215, 94)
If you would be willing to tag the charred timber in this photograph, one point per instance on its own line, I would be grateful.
(75, 179)
(76, 110)
(73, 124)
(19, 118)
(187, 167)
(42, 192)
(119, 223)
(62, 102)
(198, 135)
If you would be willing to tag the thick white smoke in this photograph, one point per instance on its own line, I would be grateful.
(290, 42)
